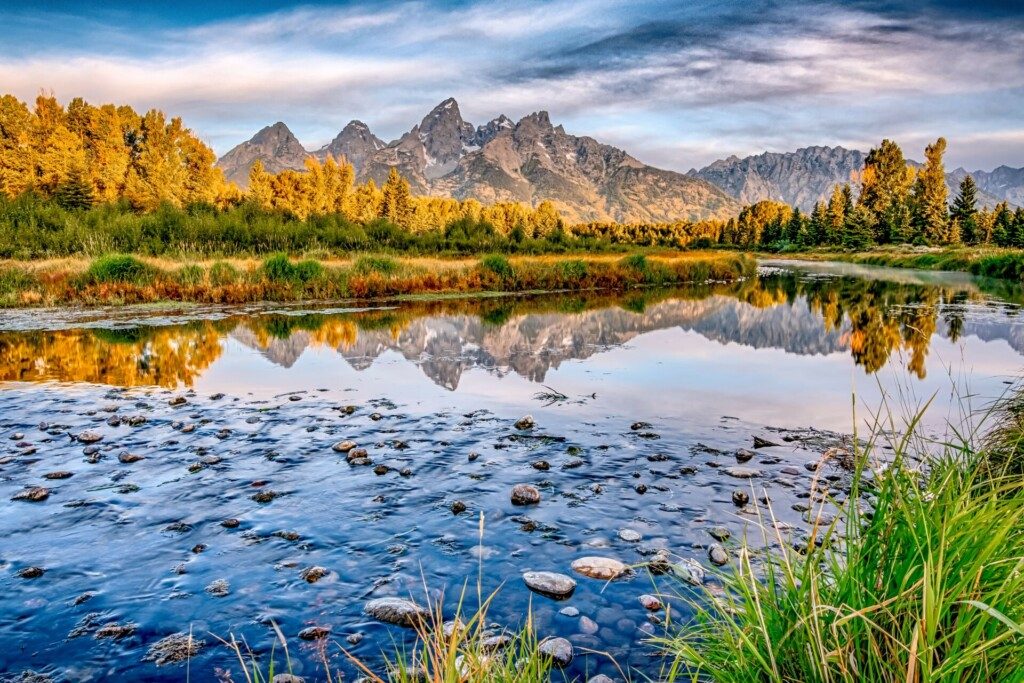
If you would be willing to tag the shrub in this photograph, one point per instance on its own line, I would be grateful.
(222, 273)
(383, 265)
(114, 268)
(191, 275)
(573, 271)
(278, 268)
(499, 265)
(637, 262)
(308, 270)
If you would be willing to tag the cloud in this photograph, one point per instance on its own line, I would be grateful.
(678, 84)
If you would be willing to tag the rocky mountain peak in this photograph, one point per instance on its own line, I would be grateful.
(355, 142)
(488, 132)
(275, 146)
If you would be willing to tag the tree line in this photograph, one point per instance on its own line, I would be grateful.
(895, 203)
(121, 162)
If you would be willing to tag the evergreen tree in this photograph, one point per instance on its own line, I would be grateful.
(858, 233)
(836, 215)
(965, 210)
(795, 228)
(1002, 226)
(819, 223)
(885, 180)
(931, 213)
(74, 192)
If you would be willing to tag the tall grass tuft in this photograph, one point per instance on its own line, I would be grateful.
(926, 586)
(118, 268)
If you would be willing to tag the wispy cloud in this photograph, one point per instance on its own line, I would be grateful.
(677, 84)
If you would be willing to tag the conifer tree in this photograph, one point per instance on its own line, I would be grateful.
(965, 210)
(931, 213)
(74, 192)
(885, 180)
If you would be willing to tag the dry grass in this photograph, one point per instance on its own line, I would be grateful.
(129, 279)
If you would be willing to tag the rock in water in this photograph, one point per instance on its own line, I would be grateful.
(743, 455)
(719, 533)
(524, 494)
(604, 568)
(741, 472)
(34, 494)
(344, 446)
(313, 574)
(629, 535)
(218, 588)
(740, 498)
(287, 678)
(558, 586)
(599, 678)
(689, 571)
(717, 554)
(175, 648)
(525, 422)
(558, 649)
(395, 611)
(651, 603)
(315, 632)
(763, 443)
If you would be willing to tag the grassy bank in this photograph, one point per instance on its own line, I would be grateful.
(118, 279)
(920, 579)
(984, 261)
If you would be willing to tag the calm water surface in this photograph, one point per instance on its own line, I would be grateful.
(139, 542)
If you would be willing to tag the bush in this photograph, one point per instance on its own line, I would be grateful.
(572, 271)
(222, 274)
(279, 268)
(191, 275)
(118, 268)
(382, 265)
(499, 265)
(637, 262)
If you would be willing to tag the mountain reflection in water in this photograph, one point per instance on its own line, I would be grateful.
(804, 312)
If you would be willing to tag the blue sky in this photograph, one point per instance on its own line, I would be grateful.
(678, 84)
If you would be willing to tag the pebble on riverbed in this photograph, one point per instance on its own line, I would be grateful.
(604, 568)
(551, 584)
(397, 611)
(558, 649)
(524, 494)
(33, 494)
(175, 648)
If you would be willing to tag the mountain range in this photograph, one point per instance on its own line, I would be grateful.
(808, 175)
(533, 160)
(526, 161)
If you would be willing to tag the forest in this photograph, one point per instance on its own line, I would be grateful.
(85, 179)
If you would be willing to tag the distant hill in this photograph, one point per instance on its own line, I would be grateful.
(527, 161)
(808, 175)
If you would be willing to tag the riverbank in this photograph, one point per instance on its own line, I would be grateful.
(1007, 264)
(123, 279)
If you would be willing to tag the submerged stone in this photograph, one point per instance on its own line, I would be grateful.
(604, 568)
(551, 584)
(396, 611)
(524, 494)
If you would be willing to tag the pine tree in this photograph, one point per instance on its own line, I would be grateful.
(858, 233)
(819, 223)
(965, 210)
(836, 215)
(795, 228)
(931, 213)
(74, 192)
(1002, 226)
(885, 180)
